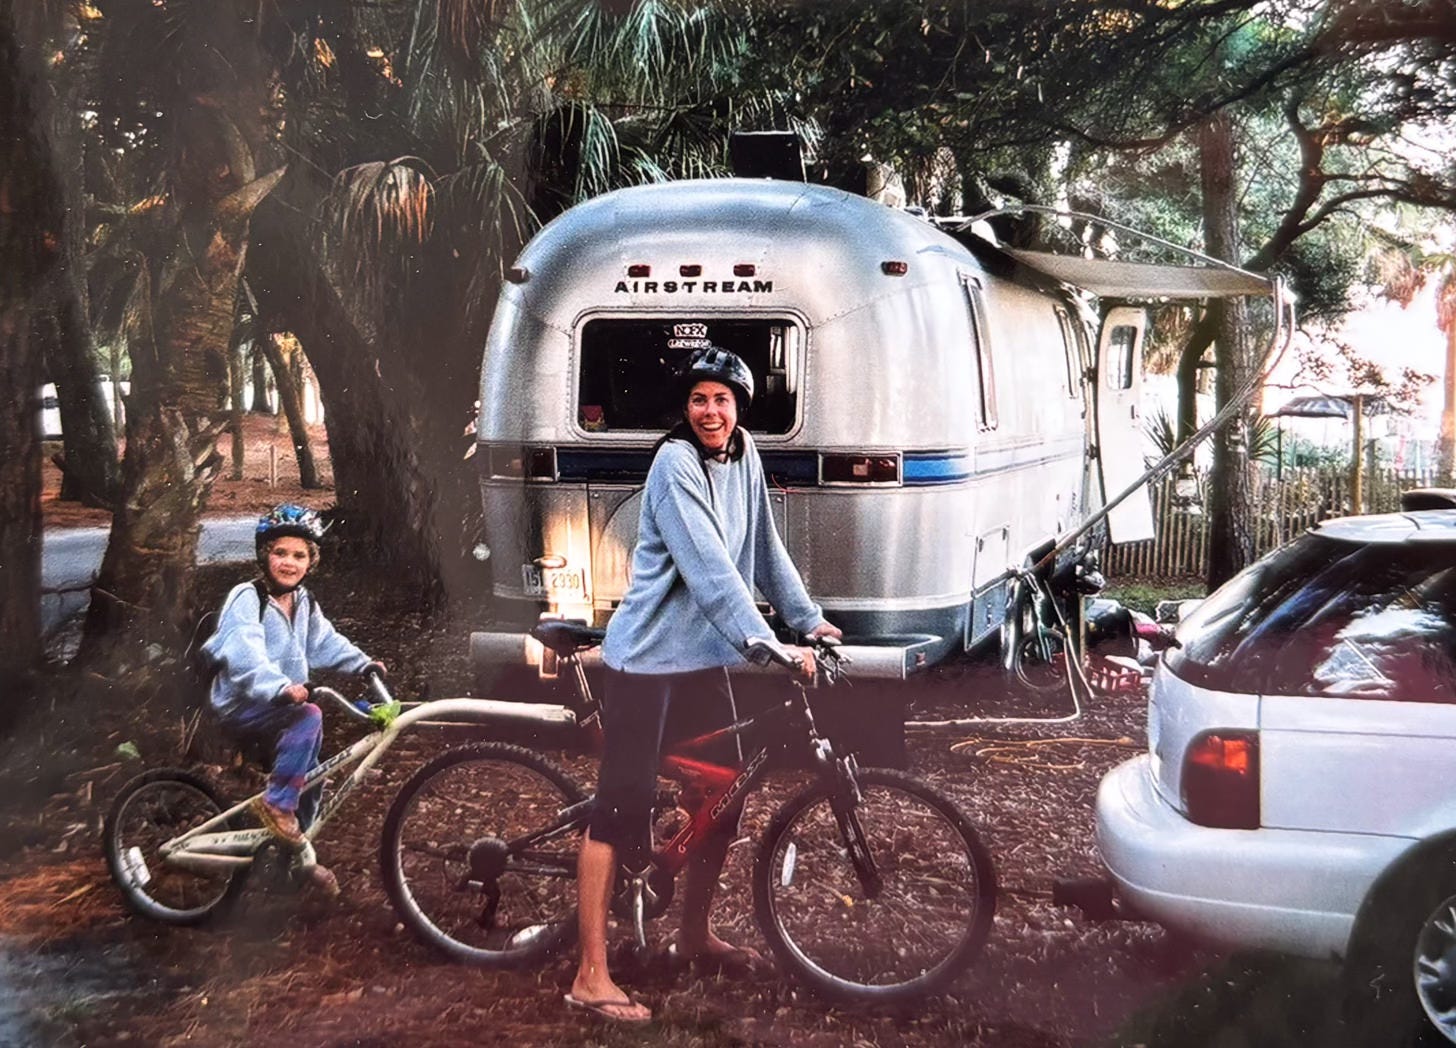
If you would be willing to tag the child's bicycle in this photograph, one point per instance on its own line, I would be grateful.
(869, 885)
(180, 854)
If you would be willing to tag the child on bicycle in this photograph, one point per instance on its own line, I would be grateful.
(705, 540)
(270, 635)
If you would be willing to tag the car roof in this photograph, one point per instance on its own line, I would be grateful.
(1427, 525)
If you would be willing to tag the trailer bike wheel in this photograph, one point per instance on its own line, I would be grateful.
(881, 901)
(471, 863)
(151, 810)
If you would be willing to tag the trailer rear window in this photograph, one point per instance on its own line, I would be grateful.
(627, 368)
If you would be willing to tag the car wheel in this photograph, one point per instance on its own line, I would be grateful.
(1401, 973)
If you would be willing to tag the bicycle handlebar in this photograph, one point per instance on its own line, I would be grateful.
(359, 709)
(763, 652)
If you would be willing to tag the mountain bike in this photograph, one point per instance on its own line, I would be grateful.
(868, 884)
(180, 854)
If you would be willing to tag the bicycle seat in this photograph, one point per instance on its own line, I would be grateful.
(567, 637)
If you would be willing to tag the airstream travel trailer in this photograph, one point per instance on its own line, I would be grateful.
(931, 409)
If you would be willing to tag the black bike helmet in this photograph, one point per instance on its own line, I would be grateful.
(716, 364)
(284, 520)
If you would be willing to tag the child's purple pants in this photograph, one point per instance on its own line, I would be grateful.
(294, 733)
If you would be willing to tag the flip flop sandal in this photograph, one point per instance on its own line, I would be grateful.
(602, 1009)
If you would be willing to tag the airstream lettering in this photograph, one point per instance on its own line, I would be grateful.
(928, 411)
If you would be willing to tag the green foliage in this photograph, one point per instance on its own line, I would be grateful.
(1144, 594)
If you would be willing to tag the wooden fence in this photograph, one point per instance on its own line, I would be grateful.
(1286, 506)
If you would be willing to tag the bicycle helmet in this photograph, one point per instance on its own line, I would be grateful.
(716, 364)
(287, 519)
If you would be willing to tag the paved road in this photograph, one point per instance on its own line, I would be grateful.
(70, 558)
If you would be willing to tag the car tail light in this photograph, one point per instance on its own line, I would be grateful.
(1221, 780)
(523, 463)
(859, 469)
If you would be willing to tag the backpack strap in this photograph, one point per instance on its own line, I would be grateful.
(262, 588)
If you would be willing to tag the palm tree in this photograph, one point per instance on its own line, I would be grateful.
(184, 90)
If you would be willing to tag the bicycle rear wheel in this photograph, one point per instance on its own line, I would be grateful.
(470, 863)
(886, 900)
(150, 810)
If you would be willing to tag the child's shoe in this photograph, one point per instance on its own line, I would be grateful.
(281, 824)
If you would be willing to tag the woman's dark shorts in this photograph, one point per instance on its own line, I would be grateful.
(639, 713)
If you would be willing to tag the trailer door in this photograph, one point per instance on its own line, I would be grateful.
(1119, 422)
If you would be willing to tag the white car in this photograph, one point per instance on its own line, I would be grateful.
(1299, 789)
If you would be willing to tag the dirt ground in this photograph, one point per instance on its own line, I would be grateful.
(77, 969)
(270, 476)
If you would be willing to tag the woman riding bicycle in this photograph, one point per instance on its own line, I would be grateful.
(705, 539)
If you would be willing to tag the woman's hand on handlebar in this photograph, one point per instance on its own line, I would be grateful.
(825, 629)
(807, 666)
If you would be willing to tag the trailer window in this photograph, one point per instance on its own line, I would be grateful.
(627, 365)
(987, 415)
(1122, 344)
(1071, 350)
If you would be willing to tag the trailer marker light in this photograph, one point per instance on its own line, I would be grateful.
(638, 269)
(859, 469)
(517, 463)
(745, 269)
(518, 274)
(690, 271)
(894, 268)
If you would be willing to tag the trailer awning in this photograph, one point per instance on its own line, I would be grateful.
(1108, 279)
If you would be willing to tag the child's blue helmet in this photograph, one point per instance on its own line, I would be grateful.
(288, 519)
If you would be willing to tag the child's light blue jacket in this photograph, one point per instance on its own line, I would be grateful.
(258, 655)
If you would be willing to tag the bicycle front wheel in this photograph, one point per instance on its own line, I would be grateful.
(881, 901)
(151, 810)
(471, 860)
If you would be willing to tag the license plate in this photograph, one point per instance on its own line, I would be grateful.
(553, 583)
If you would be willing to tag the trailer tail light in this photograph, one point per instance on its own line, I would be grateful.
(894, 268)
(638, 270)
(523, 463)
(745, 269)
(689, 271)
(1221, 780)
(859, 469)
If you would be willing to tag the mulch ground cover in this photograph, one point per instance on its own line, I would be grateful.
(283, 968)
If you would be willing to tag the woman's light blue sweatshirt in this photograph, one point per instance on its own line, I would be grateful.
(705, 539)
(257, 655)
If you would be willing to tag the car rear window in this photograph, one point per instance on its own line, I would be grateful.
(1323, 617)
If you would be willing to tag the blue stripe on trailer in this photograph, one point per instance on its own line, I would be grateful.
(923, 469)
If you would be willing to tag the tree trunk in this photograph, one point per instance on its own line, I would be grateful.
(90, 472)
(1231, 538)
(1446, 442)
(290, 397)
(384, 506)
(260, 404)
(177, 405)
(30, 233)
